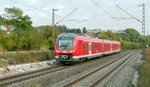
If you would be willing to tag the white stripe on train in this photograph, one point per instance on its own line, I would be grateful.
(89, 56)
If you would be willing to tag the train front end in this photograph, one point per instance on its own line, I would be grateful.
(64, 48)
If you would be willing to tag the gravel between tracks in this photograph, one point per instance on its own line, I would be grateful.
(128, 75)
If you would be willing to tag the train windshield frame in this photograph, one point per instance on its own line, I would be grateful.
(65, 43)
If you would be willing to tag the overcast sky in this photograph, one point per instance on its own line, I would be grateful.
(86, 9)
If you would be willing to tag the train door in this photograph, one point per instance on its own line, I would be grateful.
(90, 48)
(80, 49)
(111, 46)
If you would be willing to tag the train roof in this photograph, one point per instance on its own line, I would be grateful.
(86, 36)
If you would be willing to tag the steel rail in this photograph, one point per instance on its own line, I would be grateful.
(111, 71)
(27, 75)
(91, 73)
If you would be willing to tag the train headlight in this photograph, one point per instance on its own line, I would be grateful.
(57, 51)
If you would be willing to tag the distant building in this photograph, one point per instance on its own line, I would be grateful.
(6, 28)
(3, 28)
(95, 30)
(118, 31)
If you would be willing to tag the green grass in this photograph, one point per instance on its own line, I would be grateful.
(30, 57)
(144, 80)
(3, 64)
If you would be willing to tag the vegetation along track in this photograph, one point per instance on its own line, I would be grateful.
(10, 79)
(76, 82)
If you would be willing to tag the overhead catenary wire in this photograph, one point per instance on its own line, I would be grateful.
(106, 13)
(66, 16)
(44, 10)
(122, 18)
(101, 8)
(48, 12)
(129, 14)
(29, 6)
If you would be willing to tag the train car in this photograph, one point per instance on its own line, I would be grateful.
(116, 47)
(71, 48)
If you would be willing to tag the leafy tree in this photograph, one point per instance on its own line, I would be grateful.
(90, 34)
(74, 30)
(14, 12)
(103, 35)
(132, 34)
(17, 19)
(144, 40)
(124, 36)
(3, 40)
(37, 39)
(84, 30)
(49, 35)
(21, 24)
(109, 35)
(1, 20)
(62, 28)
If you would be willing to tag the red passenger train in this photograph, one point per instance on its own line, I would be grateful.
(71, 47)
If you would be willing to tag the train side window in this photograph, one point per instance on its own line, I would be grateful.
(96, 47)
(80, 42)
(92, 46)
(83, 46)
(87, 47)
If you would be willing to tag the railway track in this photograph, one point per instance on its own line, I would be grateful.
(10, 79)
(104, 79)
(105, 70)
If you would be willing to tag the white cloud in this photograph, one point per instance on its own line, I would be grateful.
(34, 2)
(60, 6)
(42, 15)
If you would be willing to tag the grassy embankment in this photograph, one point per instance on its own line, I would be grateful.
(27, 57)
(144, 80)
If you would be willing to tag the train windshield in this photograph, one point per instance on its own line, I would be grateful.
(65, 43)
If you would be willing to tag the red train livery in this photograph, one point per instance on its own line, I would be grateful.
(71, 47)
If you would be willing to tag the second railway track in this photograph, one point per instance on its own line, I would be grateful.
(85, 80)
